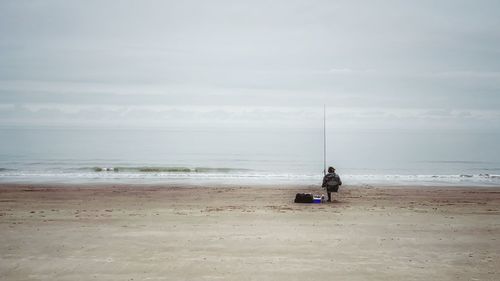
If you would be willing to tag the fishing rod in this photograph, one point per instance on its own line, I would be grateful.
(324, 139)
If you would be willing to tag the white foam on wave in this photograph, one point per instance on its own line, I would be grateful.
(253, 177)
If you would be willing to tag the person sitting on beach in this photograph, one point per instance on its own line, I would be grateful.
(331, 182)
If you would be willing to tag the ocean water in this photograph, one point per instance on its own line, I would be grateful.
(248, 156)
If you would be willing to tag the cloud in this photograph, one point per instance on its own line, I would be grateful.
(199, 117)
(469, 74)
(340, 71)
(96, 62)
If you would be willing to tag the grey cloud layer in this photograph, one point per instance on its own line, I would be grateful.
(353, 55)
(243, 116)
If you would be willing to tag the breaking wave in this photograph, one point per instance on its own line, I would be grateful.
(154, 169)
(222, 175)
(149, 172)
(6, 169)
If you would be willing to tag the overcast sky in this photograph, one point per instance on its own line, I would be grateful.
(376, 64)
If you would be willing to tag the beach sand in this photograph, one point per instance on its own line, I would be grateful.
(155, 232)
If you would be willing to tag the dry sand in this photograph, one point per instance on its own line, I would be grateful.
(138, 232)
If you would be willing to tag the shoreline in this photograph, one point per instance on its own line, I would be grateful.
(212, 232)
(246, 183)
(243, 184)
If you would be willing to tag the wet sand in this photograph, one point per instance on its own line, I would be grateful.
(155, 232)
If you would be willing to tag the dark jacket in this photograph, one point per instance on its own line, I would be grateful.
(332, 182)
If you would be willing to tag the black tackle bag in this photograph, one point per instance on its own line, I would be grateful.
(303, 198)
